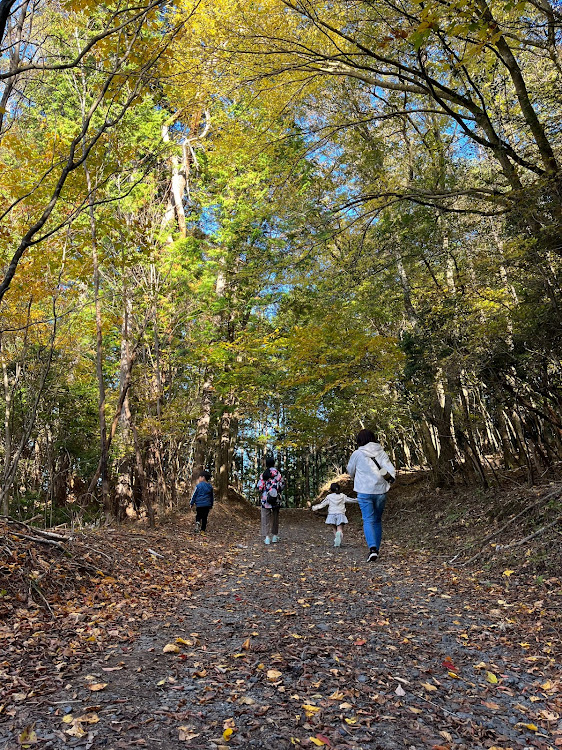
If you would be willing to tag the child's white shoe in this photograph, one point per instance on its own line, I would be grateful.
(267, 540)
(338, 539)
(275, 539)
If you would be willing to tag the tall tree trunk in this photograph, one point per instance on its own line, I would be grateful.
(509, 458)
(202, 429)
(178, 184)
(472, 442)
(7, 427)
(224, 453)
(141, 474)
(442, 418)
(516, 421)
(99, 357)
(204, 421)
(429, 448)
(124, 484)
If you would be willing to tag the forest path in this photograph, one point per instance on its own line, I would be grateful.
(299, 644)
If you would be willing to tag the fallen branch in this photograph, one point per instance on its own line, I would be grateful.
(531, 536)
(39, 540)
(97, 552)
(35, 586)
(34, 530)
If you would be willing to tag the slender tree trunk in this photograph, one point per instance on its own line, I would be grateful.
(125, 479)
(471, 440)
(443, 409)
(224, 453)
(429, 449)
(509, 459)
(178, 184)
(142, 478)
(516, 421)
(202, 429)
(7, 428)
(99, 356)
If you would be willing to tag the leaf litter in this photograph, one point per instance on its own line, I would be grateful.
(297, 645)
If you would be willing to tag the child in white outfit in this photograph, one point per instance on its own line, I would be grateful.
(335, 501)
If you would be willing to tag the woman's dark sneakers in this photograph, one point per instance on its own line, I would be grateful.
(373, 554)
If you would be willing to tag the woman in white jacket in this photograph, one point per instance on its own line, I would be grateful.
(369, 466)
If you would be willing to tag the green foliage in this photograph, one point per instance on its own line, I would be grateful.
(349, 248)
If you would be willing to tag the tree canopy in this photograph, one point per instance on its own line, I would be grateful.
(228, 229)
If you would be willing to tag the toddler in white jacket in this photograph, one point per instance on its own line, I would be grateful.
(335, 501)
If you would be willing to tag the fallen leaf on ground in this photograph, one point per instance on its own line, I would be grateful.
(96, 686)
(28, 736)
(88, 719)
(186, 734)
(530, 727)
(310, 710)
(76, 730)
(429, 687)
(324, 739)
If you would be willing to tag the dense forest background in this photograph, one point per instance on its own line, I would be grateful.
(230, 228)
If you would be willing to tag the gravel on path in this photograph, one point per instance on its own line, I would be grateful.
(299, 644)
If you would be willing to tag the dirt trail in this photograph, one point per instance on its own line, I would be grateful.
(298, 641)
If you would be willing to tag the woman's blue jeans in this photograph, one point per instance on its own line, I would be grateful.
(372, 508)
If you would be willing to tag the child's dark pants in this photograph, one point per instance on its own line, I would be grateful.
(201, 517)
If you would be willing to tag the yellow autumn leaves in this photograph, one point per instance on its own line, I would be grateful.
(174, 648)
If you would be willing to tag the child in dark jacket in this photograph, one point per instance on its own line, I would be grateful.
(203, 500)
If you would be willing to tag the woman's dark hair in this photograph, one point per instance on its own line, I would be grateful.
(205, 474)
(270, 463)
(364, 437)
(335, 487)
